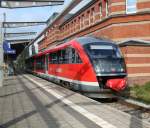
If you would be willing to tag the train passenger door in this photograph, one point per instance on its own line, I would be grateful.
(46, 64)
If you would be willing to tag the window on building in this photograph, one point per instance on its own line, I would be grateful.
(74, 25)
(88, 13)
(79, 19)
(83, 18)
(92, 17)
(92, 11)
(46, 34)
(100, 9)
(107, 7)
(68, 29)
(131, 6)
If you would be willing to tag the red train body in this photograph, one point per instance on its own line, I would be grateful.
(89, 65)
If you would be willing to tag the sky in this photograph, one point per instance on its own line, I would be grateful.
(32, 14)
(35, 14)
(29, 15)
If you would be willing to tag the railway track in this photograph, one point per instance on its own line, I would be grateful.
(132, 109)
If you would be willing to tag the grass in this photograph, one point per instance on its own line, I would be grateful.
(141, 92)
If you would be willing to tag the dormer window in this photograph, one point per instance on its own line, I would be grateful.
(100, 9)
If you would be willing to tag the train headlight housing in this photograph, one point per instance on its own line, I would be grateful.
(97, 69)
(122, 70)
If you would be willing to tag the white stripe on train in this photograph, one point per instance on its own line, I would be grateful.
(71, 80)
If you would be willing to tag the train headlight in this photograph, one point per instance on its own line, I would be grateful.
(97, 68)
(122, 70)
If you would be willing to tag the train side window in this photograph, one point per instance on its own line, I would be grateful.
(43, 62)
(78, 59)
(74, 56)
(53, 58)
(59, 57)
(40, 63)
(29, 63)
(69, 51)
(65, 56)
(50, 58)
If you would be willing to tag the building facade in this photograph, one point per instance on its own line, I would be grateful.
(118, 20)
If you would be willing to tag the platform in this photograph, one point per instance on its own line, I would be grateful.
(27, 101)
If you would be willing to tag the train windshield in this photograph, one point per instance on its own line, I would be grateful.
(106, 59)
(103, 51)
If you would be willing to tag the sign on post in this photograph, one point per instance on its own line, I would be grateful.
(7, 48)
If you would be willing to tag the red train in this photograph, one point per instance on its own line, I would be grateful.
(92, 66)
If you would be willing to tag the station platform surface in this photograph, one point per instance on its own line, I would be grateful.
(27, 101)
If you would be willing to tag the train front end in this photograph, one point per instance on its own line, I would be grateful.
(108, 64)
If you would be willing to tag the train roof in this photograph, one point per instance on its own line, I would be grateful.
(81, 40)
(87, 40)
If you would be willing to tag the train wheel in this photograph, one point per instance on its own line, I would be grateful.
(66, 85)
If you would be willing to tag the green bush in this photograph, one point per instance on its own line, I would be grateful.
(141, 93)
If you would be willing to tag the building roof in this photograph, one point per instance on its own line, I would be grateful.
(52, 17)
(79, 11)
(134, 42)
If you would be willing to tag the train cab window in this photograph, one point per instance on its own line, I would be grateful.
(103, 51)
(106, 59)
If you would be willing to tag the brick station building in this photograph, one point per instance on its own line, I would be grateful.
(126, 22)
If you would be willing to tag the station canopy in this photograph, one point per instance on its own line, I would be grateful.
(29, 3)
(20, 34)
(22, 24)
